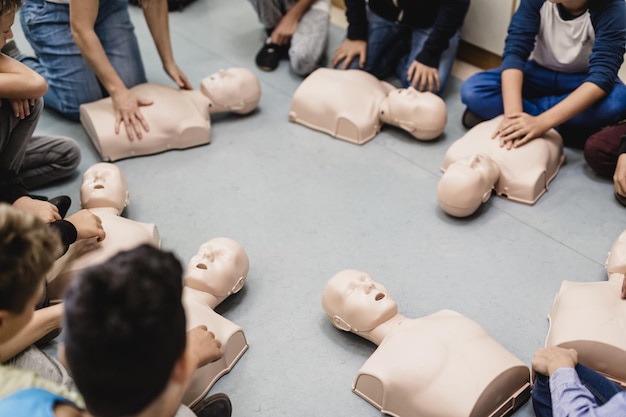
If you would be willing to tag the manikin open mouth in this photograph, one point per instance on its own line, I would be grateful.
(380, 296)
(98, 186)
(201, 266)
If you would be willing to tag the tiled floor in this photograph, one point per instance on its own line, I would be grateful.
(306, 206)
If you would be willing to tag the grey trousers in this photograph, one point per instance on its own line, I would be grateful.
(38, 160)
(308, 43)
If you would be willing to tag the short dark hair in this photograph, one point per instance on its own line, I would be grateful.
(28, 249)
(8, 6)
(124, 329)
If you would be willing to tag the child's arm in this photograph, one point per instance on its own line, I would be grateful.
(17, 81)
(44, 321)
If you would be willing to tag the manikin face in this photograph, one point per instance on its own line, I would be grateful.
(219, 267)
(423, 114)
(467, 184)
(357, 300)
(235, 88)
(6, 21)
(104, 185)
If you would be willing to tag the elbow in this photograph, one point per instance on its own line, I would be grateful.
(38, 86)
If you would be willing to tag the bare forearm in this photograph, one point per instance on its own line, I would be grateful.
(512, 81)
(577, 101)
(17, 81)
(155, 12)
(43, 322)
(83, 14)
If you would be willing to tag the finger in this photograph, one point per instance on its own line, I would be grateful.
(522, 141)
(362, 59)
(137, 128)
(347, 61)
(624, 289)
(25, 107)
(101, 235)
(437, 82)
(142, 121)
(129, 129)
(118, 122)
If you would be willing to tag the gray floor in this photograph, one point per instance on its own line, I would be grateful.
(306, 206)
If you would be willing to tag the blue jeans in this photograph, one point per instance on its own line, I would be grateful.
(71, 81)
(392, 47)
(600, 387)
(542, 90)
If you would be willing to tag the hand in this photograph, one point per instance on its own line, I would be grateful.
(423, 77)
(21, 107)
(126, 107)
(178, 76)
(203, 346)
(42, 209)
(284, 30)
(347, 51)
(619, 176)
(517, 129)
(87, 225)
(548, 360)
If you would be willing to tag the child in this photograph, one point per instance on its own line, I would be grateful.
(570, 82)
(298, 28)
(565, 388)
(27, 161)
(416, 39)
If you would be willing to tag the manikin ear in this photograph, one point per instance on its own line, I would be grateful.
(341, 324)
(487, 195)
(407, 125)
(238, 285)
(127, 199)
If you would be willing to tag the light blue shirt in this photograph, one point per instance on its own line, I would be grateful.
(32, 402)
(571, 399)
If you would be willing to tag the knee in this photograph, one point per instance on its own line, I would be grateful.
(69, 155)
(468, 91)
(301, 63)
(599, 155)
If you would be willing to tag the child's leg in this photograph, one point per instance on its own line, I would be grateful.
(601, 149)
(308, 43)
(419, 37)
(15, 134)
(271, 11)
(482, 94)
(48, 159)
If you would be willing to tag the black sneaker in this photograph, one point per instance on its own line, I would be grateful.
(470, 119)
(216, 405)
(270, 54)
(621, 199)
(11, 49)
(62, 203)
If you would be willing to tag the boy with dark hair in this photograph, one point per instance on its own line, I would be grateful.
(125, 342)
(27, 161)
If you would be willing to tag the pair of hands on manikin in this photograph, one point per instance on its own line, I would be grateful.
(203, 347)
(87, 224)
(423, 77)
(549, 359)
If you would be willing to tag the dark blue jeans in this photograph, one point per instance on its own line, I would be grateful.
(392, 47)
(600, 387)
(71, 81)
(542, 89)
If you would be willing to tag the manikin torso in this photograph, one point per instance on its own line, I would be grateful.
(200, 304)
(121, 234)
(178, 119)
(441, 365)
(347, 104)
(525, 172)
(199, 310)
(591, 318)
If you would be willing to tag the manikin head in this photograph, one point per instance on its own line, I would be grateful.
(28, 249)
(234, 90)
(104, 185)
(422, 114)
(354, 302)
(466, 184)
(219, 268)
